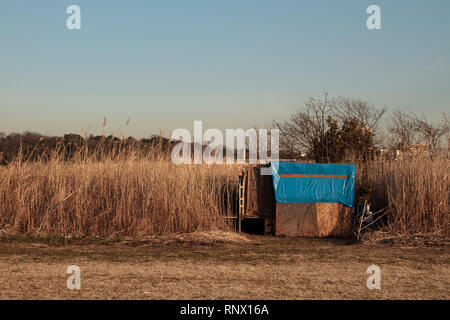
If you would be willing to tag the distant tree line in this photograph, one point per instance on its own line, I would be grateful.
(33, 146)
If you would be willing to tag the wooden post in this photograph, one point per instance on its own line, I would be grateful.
(361, 218)
(241, 200)
(238, 213)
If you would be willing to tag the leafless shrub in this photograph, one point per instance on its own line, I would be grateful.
(402, 129)
(431, 133)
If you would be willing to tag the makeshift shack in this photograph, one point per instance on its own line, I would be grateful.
(300, 199)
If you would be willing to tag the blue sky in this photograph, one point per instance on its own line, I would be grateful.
(229, 63)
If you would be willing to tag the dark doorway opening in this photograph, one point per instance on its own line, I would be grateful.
(253, 226)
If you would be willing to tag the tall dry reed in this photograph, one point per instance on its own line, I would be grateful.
(415, 191)
(134, 195)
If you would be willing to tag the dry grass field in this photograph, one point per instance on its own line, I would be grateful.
(223, 267)
(136, 196)
(127, 197)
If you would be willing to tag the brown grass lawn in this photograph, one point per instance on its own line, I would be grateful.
(247, 267)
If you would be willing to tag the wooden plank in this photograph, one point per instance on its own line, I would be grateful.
(268, 226)
(313, 219)
(259, 196)
(334, 220)
(296, 219)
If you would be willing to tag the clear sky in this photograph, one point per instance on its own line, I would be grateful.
(230, 63)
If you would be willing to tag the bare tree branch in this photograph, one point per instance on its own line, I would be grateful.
(432, 134)
(402, 129)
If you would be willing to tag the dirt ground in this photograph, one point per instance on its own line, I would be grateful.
(248, 267)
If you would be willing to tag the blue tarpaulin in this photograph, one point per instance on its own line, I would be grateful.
(313, 182)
